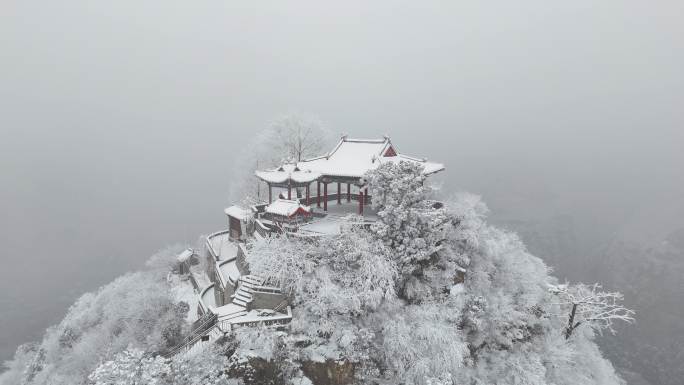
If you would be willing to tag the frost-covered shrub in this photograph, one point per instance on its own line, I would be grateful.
(282, 261)
(505, 286)
(355, 274)
(468, 214)
(166, 259)
(135, 310)
(265, 355)
(335, 282)
(135, 367)
(349, 273)
(423, 345)
(507, 315)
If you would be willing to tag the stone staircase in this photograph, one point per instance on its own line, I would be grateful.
(246, 284)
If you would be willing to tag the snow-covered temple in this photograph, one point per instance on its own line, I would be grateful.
(312, 195)
(345, 165)
(228, 295)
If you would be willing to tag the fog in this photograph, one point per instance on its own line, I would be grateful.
(120, 122)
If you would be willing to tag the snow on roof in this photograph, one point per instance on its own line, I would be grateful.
(428, 167)
(354, 157)
(185, 255)
(286, 208)
(287, 172)
(238, 212)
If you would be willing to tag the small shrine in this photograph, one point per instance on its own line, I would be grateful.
(289, 212)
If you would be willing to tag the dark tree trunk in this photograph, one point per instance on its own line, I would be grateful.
(571, 322)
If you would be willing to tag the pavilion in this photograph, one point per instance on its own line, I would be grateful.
(288, 176)
(346, 165)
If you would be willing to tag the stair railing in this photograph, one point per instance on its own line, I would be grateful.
(195, 335)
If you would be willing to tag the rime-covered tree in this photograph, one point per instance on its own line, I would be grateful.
(136, 367)
(298, 137)
(288, 138)
(423, 345)
(282, 261)
(335, 282)
(507, 315)
(136, 310)
(409, 223)
(349, 273)
(591, 306)
(355, 273)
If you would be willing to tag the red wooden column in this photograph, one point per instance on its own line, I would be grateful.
(348, 193)
(270, 194)
(325, 196)
(365, 196)
(360, 201)
(318, 193)
(307, 194)
(289, 191)
(339, 193)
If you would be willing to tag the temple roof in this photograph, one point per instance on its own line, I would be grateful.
(287, 208)
(354, 157)
(238, 212)
(287, 172)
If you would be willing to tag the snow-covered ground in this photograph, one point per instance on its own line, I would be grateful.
(221, 244)
(227, 310)
(182, 290)
(344, 208)
(200, 276)
(326, 226)
(208, 298)
(229, 270)
(330, 224)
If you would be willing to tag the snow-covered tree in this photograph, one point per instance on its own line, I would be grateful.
(288, 138)
(136, 310)
(590, 305)
(282, 261)
(299, 137)
(507, 313)
(131, 367)
(348, 273)
(354, 274)
(424, 345)
(410, 223)
(136, 367)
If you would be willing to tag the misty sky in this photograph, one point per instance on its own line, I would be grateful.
(119, 121)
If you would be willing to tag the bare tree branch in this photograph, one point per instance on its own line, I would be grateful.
(588, 304)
